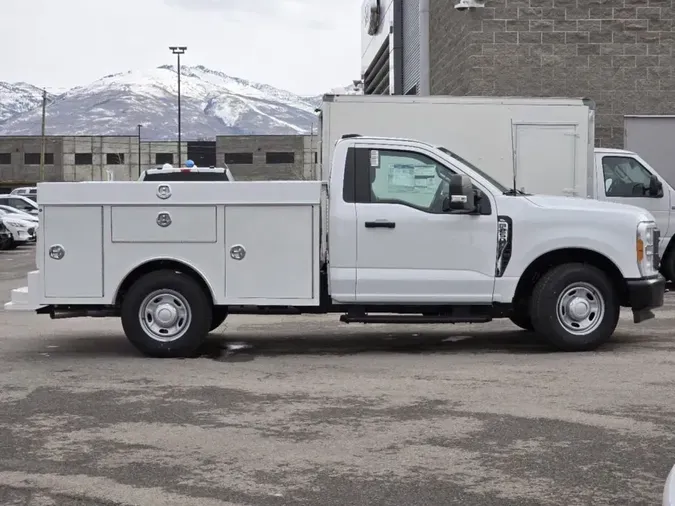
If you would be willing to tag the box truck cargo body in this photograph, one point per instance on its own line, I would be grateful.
(542, 145)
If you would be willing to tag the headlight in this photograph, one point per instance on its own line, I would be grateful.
(647, 249)
(14, 224)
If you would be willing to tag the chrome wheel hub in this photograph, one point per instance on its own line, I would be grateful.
(580, 308)
(165, 315)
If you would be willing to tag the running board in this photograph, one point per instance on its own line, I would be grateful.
(412, 319)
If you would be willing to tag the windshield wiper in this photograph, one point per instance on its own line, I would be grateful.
(512, 192)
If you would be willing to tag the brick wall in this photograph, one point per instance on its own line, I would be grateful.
(617, 52)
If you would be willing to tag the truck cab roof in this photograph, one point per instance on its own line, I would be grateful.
(187, 174)
(611, 151)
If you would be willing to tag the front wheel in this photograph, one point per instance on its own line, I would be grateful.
(520, 316)
(575, 307)
(166, 314)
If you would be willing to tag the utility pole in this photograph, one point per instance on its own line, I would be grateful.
(178, 50)
(139, 150)
(42, 147)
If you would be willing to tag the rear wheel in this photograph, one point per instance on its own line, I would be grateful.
(575, 307)
(166, 314)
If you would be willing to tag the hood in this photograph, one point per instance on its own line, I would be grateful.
(18, 219)
(583, 204)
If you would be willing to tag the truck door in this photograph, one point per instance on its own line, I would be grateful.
(407, 249)
(625, 180)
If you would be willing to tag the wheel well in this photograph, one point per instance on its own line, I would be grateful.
(156, 265)
(669, 248)
(565, 256)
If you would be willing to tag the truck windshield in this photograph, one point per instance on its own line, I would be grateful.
(496, 183)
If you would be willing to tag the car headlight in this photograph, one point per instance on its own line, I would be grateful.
(14, 224)
(647, 248)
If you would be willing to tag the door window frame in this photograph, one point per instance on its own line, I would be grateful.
(362, 182)
(635, 160)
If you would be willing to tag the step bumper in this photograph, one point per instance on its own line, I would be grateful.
(26, 298)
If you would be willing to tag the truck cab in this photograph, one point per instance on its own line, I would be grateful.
(624, 177)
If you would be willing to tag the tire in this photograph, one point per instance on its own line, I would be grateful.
(520, 315)
(184, 301)
(522, 320)
(589, 287)
(668, 265)
(219, 315)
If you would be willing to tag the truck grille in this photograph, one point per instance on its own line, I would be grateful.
(656, 259)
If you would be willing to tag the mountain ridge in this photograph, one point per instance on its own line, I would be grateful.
(212, 103)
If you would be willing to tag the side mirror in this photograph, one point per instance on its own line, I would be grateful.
(655, 187)
(461, 195)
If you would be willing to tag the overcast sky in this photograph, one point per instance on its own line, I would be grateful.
(304, 46)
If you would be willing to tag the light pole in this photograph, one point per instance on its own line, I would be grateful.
(139, 150)
(178, 50)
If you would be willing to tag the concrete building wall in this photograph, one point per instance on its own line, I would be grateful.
(151, 149)
(81, 158)
(116, 156)
(14, 150)
(256, 157)
(621, 56)
(96, 158)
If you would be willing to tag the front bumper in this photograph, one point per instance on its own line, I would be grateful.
(644, 295)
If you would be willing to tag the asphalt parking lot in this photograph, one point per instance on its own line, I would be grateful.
(291, 411)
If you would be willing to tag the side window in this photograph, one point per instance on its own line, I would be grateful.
(625, 177)
(408, 178)
(20, 205)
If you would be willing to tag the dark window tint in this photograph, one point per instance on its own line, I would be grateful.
(34, 158)
(187, 176)
(5, 158)
(84, 159)
(114, 158)
(20, 204)
(162, 158)
(277, 157)
(625, 177)
(238, 158)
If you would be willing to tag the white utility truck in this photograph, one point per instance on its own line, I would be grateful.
(549, 141)
(412, 234)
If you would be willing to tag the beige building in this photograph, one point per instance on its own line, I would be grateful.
(98, 158)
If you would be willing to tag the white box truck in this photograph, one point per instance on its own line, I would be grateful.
(550, 142)
(412, 234)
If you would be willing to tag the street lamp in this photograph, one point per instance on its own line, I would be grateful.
(178, 50)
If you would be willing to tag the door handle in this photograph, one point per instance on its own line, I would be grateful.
(380, 224)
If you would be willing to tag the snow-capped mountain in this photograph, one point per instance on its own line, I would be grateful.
(212, 103)
(18, 98)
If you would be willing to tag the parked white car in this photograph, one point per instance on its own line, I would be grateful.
(20, 202)
(22, 227)
(23, 214)
(669, 489)
(26, 191)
